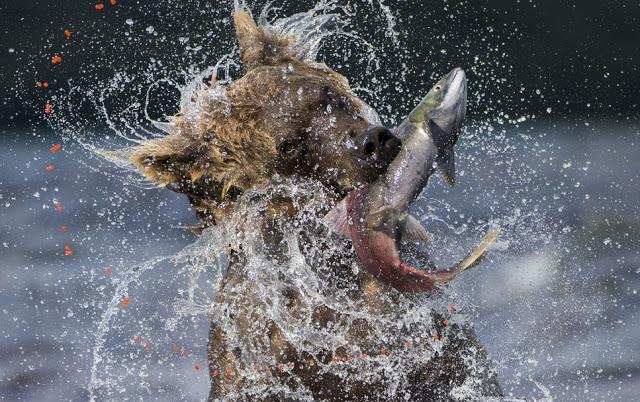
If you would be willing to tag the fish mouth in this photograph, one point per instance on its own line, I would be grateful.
(452, 110)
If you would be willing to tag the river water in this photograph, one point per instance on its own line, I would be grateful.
(555, 304)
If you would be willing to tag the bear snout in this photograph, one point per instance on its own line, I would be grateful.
(378, 145)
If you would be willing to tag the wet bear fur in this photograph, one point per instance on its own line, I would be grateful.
(287, 117)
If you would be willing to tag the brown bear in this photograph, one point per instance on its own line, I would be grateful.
(335, 333)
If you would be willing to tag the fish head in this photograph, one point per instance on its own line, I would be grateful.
(442, 111)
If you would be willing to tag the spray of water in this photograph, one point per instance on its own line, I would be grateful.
(201, 266)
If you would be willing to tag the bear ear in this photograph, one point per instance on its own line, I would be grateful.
(164, 160)
(251, 39)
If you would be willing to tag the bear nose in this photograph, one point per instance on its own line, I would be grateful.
(380, 144)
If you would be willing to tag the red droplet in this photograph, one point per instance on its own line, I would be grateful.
(67, 33)
(124, 303)
(108, 271)
(407, 344)
(197, 366)
(436, 337)
(55, 148)
(215, 373)
(48, 108)
(137, 338)
(57, 205)
(146, 345)
(56, 59)
(67, 251)
(445, 322)
(99, 6)
(63, 229)
(49, 168)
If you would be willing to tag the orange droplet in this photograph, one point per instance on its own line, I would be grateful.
(55, 148)
(67, 33)
(99, 6)
(175, 349)
(124, 303)
(436, 337)
(56, 59)
(108, 271)
(63, 229)
(112, 2)
(45, 84)
(47, 108)
(146, 345)
(49, 168)
(137, 338)
(195, 366)
(445, 322)
(184, 353)
(57, 205)
(67, 251)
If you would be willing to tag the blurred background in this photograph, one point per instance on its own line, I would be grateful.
(550, 153)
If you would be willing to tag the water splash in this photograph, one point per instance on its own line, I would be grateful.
(130, 121)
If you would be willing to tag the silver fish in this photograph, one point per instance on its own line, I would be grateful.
(375, 216)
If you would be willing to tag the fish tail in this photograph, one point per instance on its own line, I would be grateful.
(478, 253)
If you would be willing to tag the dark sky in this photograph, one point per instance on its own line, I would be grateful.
(583, 55)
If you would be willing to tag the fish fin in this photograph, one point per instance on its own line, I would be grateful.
(447, 166)
(478, 253)
(412, 230)
(338, 218)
